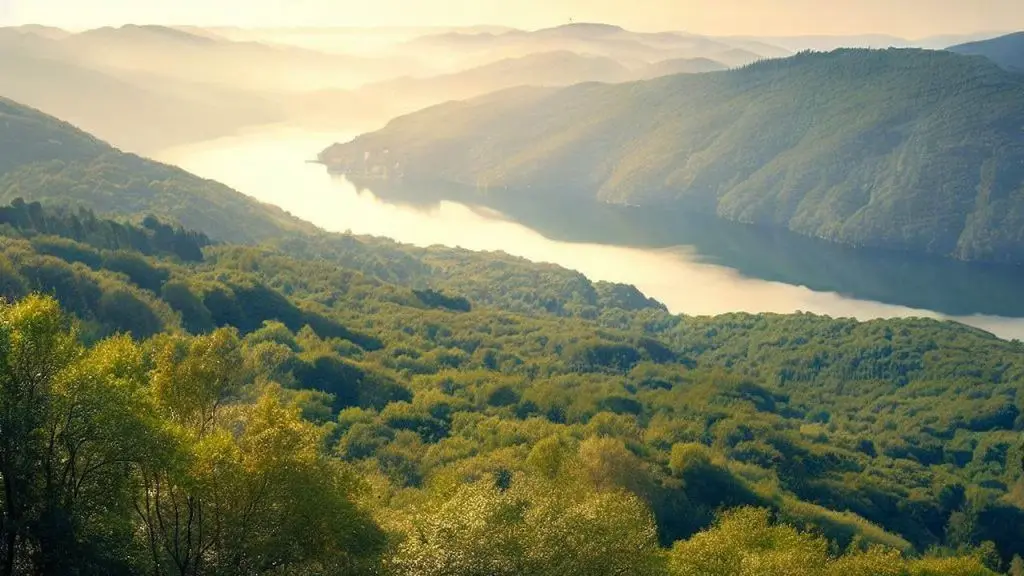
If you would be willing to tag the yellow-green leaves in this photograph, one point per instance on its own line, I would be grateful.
(194, 378)
(745, 542)
(533, 527)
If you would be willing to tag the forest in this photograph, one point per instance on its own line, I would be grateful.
(333, 404)
(902, 149)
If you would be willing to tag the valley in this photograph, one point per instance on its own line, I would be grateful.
(488, 300)
(695, 266)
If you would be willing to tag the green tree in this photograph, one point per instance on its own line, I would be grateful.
(530, 528)
(73, 422)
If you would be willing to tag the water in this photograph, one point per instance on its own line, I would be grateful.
(694, 265)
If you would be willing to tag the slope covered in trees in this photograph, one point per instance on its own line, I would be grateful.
(42, 158)
(414, 430)
(326, 404)
(906, 149)
(1007, 51)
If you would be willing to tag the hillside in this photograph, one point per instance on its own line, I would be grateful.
(379, 408)
(419, 409)
(904, 149)
(1006, 51)
(42, 158)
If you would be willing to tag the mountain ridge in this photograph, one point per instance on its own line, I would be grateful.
(802, 143)
(44, 158)
(1006, 51)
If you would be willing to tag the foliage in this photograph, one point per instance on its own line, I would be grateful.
(899, 433)
(152, 237)
(332, 404)
(746, 542)
(124, 458)
(44, 159)
(904, 149)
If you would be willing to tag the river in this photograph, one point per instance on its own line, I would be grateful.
(696, 266)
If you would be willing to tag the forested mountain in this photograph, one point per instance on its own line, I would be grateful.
(453, 433)
(42, 158)
(1007, 51)
(907, 149)
(328, 404)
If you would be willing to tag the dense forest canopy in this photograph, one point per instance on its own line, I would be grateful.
(575, 428)
(907, 149)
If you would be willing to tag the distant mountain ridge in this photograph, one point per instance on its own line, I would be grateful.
(138, 111)
(1006, 51)
(633, 48)
(399, 96)
(906, 149)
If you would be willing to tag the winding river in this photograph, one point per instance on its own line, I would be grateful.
(694, 265)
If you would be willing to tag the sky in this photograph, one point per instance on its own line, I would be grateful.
(906, 18)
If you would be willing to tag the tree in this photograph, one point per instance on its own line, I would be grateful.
(1016, 566)
(35, 346)
(242, 488)
(12, 284)
(73, 423)
(532, 527)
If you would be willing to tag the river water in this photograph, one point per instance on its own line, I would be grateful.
(694, 265)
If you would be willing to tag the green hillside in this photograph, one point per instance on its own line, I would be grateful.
(328, 404)
(42, 158)
(449, 428)
(897, 434)
(905, 149)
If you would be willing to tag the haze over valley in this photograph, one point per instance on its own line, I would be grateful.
(549, 288)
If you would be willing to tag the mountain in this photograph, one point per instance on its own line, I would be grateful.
(904, 149)
(559, 68)
(42, 158)
(44, 31)
(826, 43)
(680, 66)
(1006, 51)
(942, 41)
(553, 425)
(378, 102)
(149, 88)
(198, 57)
(805, 436)
(631, 48)
(116, 105)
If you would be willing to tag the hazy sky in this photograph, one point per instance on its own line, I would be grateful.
(909, 18)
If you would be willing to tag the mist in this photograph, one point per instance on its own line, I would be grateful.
(147, 88)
